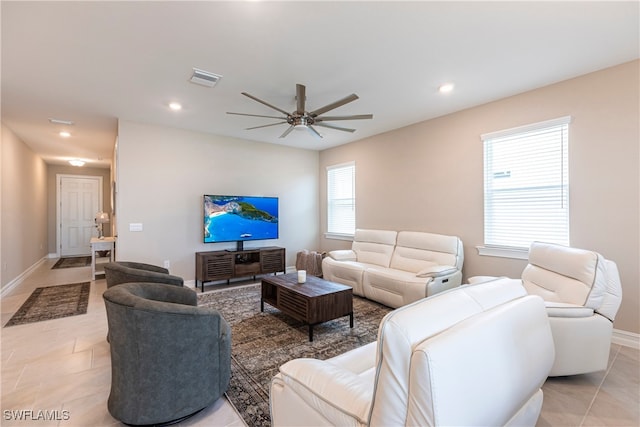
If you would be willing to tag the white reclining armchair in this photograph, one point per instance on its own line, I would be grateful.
(470, 356)
(582, 293)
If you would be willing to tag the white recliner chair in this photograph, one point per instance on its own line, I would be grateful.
(582, 293)
(470, 356)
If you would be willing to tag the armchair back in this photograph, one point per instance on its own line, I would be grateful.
(442, 353)
(581, 277)
(120, 272)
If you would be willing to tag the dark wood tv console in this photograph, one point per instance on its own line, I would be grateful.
(229, 264)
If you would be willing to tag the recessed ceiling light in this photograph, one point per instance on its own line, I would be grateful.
(175, 106)
(76, 162)
(65, 134)
(446, 88)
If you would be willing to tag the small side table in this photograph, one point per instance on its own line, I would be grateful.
(105, 244)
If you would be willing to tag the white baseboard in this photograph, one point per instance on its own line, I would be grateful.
(625, 338)
(15, 282)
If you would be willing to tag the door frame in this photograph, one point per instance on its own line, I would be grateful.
(59, 178)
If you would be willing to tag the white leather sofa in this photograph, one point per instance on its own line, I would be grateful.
(397, 268)
(475, 355)
(582, 293)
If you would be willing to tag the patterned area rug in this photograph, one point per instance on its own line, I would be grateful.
(261, 342)
(71, 262)
(53, 302)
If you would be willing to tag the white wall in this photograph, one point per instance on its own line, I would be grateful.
(162, 174)
(24, 207)
(429, 176)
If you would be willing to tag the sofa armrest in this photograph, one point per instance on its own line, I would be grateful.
(341, 396)
(436, 271)
(343, 255)
(559, 309)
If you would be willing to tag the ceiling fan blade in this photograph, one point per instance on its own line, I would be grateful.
(257, 115)
(314, 132)
(333, 105)
(300, 98)
(286, 132)
(353, 117)
(334, 127)
(264, 126)
(265, 103)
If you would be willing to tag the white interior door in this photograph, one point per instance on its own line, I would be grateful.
(80, 198)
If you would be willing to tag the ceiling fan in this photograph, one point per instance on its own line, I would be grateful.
(300, 118)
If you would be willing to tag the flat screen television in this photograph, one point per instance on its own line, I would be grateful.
(239, 218)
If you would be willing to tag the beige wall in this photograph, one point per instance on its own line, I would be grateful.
(429, 176)
(162, 174)
(24, 207)
(52, 172)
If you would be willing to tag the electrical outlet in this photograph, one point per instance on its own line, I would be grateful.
(167, 264)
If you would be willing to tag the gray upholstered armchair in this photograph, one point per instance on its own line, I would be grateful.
(128, 272)
(169, 358)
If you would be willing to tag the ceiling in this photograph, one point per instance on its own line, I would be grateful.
(94, 63)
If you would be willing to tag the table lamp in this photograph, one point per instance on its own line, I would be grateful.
(101, 218)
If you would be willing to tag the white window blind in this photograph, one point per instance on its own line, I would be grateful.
(341, 199)
(526, 185)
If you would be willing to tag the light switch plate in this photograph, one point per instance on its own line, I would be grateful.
(135, 226)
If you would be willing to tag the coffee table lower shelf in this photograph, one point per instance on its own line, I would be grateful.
(313, 302)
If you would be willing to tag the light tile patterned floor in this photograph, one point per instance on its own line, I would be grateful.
(64, 365)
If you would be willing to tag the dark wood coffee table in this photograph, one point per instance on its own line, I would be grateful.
(313, 302)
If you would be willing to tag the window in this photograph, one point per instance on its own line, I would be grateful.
(526, 186)
(341, 200)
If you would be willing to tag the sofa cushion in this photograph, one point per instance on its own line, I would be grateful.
(374, 246)
(393, 288)
(350, 273)
(416, 251)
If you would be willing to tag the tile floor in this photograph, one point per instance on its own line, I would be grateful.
(64, 365)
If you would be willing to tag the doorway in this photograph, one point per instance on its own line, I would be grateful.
(79, 198)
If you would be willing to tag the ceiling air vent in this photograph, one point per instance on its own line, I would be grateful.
(204, 78)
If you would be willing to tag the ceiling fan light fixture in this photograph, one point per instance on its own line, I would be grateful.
(204, 78)
(300, 118)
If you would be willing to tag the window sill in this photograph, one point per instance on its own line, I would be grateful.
(503, 252)
(338, 236)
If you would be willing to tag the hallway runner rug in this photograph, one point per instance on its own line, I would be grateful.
(71, 262)
(53, 302)
(262, 341)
